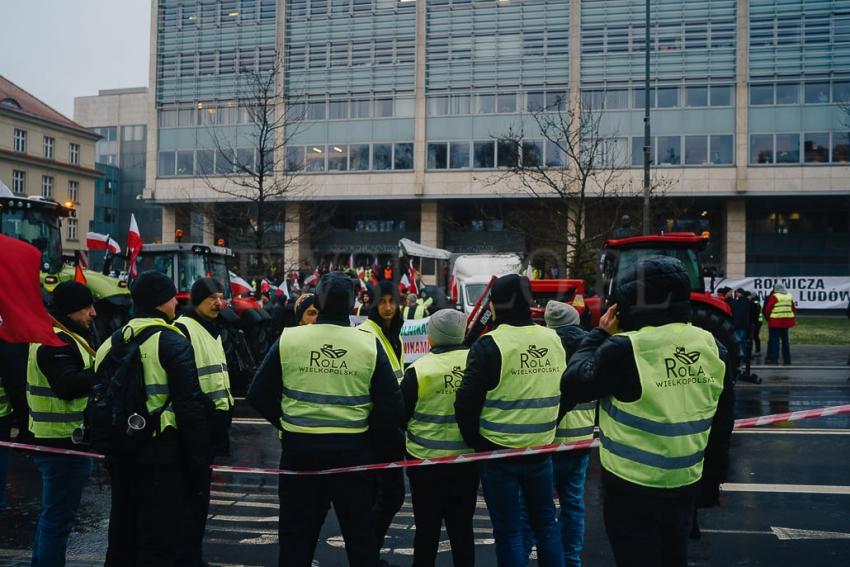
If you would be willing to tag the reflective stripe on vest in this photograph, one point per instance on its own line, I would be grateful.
(50, 416)
(784, 306)
(418, 311)
(373, 328)
(327, 371)
(211, 363)
(5, 406)
(659, 440)
(522, 410)
(577, 424)
(154, 375)
(433, 431)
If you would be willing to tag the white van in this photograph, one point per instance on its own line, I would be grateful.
(472, 272)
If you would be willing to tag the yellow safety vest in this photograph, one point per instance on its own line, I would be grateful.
(155, 376)
(784, 306)
(577, 424)
(5, 406)
(369, 326)
(659, 440)
(211, 363)
(327, 373)
(522, 410)
(51, 417)
(433, 431)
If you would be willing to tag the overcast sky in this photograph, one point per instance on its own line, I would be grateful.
(60, 49)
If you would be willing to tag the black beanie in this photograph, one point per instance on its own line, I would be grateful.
(511, 295)
(386, 287)
(69, 297)
(151, 289)
(335, 295)
(301, 305)
(655, 291)
(203, 288)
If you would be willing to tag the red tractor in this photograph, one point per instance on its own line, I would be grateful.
(246, 329)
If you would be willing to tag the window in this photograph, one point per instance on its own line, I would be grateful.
(47, 147)
(483, 155)
(359, 157)
(316, 110)
(383, 107)
(722, 150)
(338, 110)
(437, 156)
(841, 90)
(534, 101)
(185, 163)
(108, 214)
(294, 158)
(554, 154)
(224, 162)
(696, 150)
(761, 148)
(72, 229)
(74, 191)
(669, 150)
(438, 106)
(637, 151)
(19, 181)
(245, 161)
(338, 158)
(382, 156)
(721, 95)
(205, 162)
(696, 96)
(459, 155)
(459, 105)
(318, 55)
(20, 140)
(507, 153)
(761, 94)
(817, 93)
(360, 108)
(107, 187)
(166, 164)
(816, 147)
(507, 103)
(532, 154)
(167, 119)
(556, 101)
(639, 97)
(668, 97)
(403, 156)
(74, 154)
(840, 147)
(616, 99)
(485, 104)
(47, 186)
(315, 158)
(787, 148)
(787, 93)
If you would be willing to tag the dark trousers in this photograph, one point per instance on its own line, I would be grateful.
(389, 497)
(144, 521)
(5, 429)
(444, 492)
(194, 523)
(305, 501)
(757, 337)
(774, 337)
(647, 530)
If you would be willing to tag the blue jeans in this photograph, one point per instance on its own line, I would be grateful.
(506, 485)
(743, 337)
(570, 473)
(62, 480)
(774, 337)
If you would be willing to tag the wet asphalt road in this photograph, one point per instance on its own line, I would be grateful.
(787, 501)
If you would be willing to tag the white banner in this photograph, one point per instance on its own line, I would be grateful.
(414, 334)
(809, 292)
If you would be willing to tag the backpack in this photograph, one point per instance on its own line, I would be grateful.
(116, 420)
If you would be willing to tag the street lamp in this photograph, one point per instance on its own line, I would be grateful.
(646, 132)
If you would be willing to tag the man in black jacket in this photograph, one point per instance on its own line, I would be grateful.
(297, 389)
(149, 488)
(648, 498)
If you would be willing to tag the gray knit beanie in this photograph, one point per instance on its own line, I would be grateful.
(559, 314)
(447, 327)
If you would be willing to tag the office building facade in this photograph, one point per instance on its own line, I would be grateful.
(402, 109)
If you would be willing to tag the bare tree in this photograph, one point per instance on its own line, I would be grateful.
(585, 176)
(252, 173)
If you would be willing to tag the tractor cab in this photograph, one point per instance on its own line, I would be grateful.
(35, 220)
(186, 263)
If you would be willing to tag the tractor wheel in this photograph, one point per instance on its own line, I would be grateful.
(719, 325)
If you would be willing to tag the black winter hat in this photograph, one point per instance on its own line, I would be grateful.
(151, 289)
(511, 295)
(386, 287)
(301, 305)
(656, 286)
(203, 288)
(69, 297)
(335, 295)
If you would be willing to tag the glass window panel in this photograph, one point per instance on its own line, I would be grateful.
(338, 110)
(383, 52)
(840, 147)
(637, 151)
(556, 101)
(787, 93)
(405, 107)
(761, 148)
(668, 97)
(696, 150)
(696, 96)
(167, 164)
(316, 110)
(168, 119)
(761, 94)
(339, 54)
(788, 30)
(532, 154)
(318, 7)
(554, 154)
(315, 157)
(360, 108)
(507, 153)
(841, 91)
(722, 149)
(483, 155)
(669, 150)
(816, 147)
(437, 156)
(383, 107)
(817, 93)
(787, 148)
(617, 99)
(362, 5)
(403, 156)
(224, 162)
(459, 155)
(638, 99)
(438, 106)
(535, 101)
(187, 118)
(359, 157)
(205, 160)
(507, 103)
(185, 162)
(485, 104)
(459, 105)
(382, 156)
(338, 158)
(245, 160)
(721, 95)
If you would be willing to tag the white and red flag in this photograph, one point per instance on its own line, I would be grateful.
(134, 245)
(239, 286)
(97, 241)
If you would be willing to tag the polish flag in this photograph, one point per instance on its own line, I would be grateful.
(97, 241)
(238, 286)
(411, 276)
(134, 245)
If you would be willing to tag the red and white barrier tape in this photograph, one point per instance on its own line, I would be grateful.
(468, 458)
